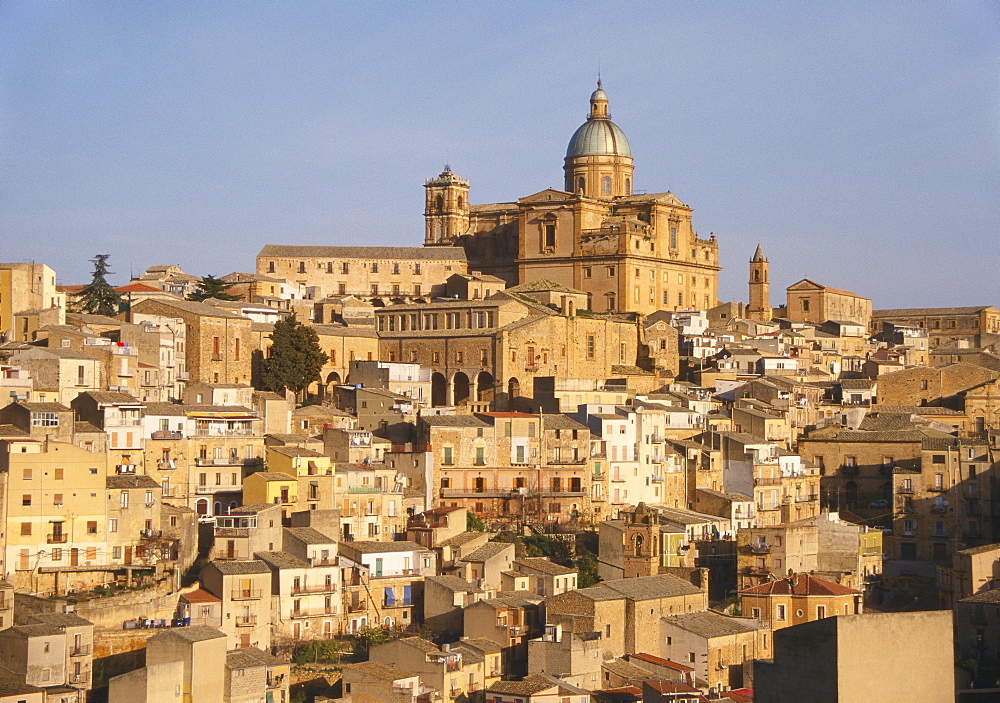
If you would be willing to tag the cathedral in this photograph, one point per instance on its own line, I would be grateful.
(628, 251)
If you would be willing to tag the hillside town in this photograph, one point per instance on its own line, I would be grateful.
(534, 460)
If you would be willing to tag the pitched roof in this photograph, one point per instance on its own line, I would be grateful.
(381, 547)
(194, 633)
(131, 481)
(453, 583)
(916, 312)
(309, 535)
(488, 551)
(235, 568)
(386, 672)
(250, 657)
(649, 587)
(800, 585)
(545, 566)
(282, 560)
(642, 656)
(61, 619)
(708, 623)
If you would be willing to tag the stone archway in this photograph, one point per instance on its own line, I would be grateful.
(513, 392)
(439, 390)
(460, 387)
(484, 387)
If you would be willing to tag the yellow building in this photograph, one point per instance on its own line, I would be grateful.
(54, 497)
(272, 487)
(797, 599)
(28, 287)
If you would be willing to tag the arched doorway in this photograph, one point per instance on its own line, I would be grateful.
(439, 390)
(484, 387)
(332, 381)
(460, 386)
(201, 506)
(513, 392)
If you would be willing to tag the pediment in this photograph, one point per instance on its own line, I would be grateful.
(545, 196)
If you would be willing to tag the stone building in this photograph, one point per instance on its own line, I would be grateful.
(381, 274)
(486, 354)
(798, 598)
(219, 344)
(511, 464)
(841, 659)
(945, 326)
(28, 287)
(809, 301)
(719, 648)
(625, 250)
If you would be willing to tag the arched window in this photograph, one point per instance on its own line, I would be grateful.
(756, 276)
(606, 185)
(581, 183)
(439, 201)
(461, 202)
(628, 186)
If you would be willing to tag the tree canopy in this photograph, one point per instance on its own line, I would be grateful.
(99, 297)
(212, 287)
(295, 357)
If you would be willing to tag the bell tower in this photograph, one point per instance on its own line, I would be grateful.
(759, 308)
(446, 209)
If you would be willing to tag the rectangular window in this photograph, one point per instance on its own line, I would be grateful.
(448, 456)
(591, 347)
(26, 499)
(113, 524)
(92, 527)
(25, 529)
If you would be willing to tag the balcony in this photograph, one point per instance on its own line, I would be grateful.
(81, 651)
(939, 509)
(757, 570)
(905, 490)
(318, 588)
(246, 621)
(312, 612)
(166, 434)
(166, 464)
(79, 677)
(759, 548)
(150, 534)
(246, 594)
(210, 488)
(937, 489)
(811, 498)
(126, 469)
(366, 489)
(56, 538)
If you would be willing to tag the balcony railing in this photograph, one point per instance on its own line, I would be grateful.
(79, 677)
(758, 548)
(213, 488)
(317, 588)
(81, 651)
(313, 612)
(57, 538)
(166, 434)
(246, 594)
(246, 621)
(905, 490)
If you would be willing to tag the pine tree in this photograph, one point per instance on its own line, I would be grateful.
(99, 297)
(295, 357)
(212, 287)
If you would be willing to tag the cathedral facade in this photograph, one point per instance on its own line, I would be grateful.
(628, 251)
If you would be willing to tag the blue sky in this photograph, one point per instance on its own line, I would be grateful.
(859, 142)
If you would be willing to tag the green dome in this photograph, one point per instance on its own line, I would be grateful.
(598, 137)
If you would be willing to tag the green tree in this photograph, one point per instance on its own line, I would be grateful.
(295, 357)
(474, 523)
(99, 297)
(212, 287)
